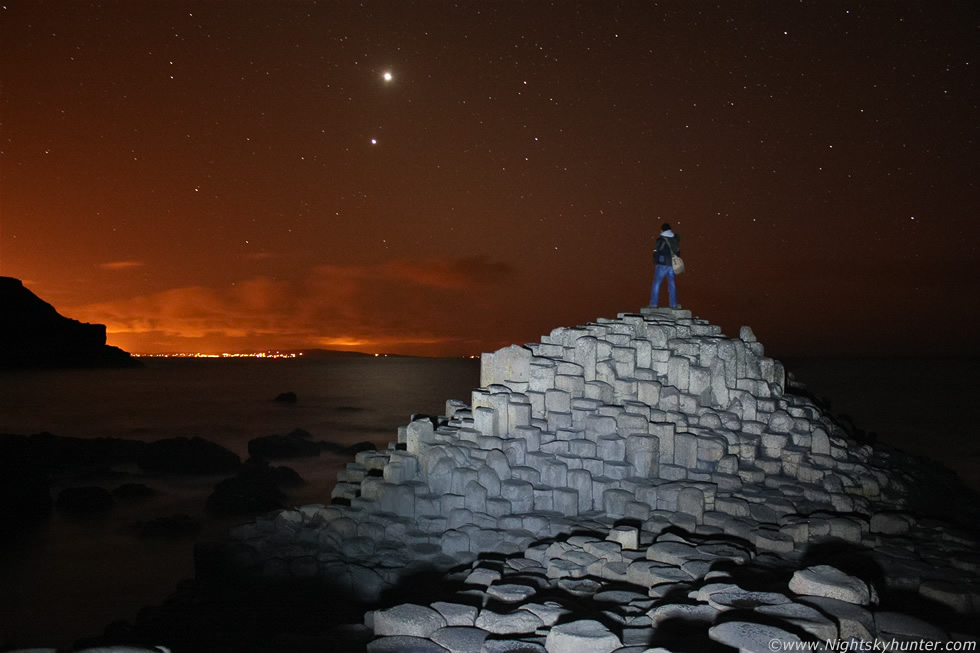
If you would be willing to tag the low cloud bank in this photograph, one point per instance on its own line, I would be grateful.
(434, 306)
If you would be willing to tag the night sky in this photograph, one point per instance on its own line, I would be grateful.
(446, 178)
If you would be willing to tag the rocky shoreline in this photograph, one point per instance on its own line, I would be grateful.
(638, 483)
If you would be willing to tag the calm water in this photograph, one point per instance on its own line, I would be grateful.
(69, 578)
(344, 400)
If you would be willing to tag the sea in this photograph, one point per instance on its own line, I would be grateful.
(67, 578)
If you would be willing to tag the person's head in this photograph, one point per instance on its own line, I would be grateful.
(665, 227)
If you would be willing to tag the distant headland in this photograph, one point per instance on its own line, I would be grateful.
(34, 335)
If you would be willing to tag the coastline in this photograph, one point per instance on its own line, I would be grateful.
(315, 468)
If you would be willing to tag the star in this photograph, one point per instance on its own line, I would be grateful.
(387, 76)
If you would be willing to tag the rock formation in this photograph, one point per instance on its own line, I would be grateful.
(297, 444)
(33, 334)
(635, 481)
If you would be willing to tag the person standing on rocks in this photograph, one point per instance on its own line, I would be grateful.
(668, 246)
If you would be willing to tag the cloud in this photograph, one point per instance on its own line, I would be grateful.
(121, 265)
(261, 256)
(429, 306)
(457, 274)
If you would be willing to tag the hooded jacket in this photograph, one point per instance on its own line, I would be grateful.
(661, 251)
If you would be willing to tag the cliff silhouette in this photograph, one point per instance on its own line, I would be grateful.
(34, 335)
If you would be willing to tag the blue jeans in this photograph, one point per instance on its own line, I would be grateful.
(658, 278)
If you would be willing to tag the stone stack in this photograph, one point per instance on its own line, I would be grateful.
(656, 418)
(630, 428)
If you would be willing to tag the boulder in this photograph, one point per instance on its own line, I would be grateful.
(292, 445)
(830, 582)
(187, 456)
(254, 490)
(235, 496)
(286, 398)
(346, 450)
(283, 476)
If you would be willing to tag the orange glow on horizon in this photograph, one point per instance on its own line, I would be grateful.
(172, 343)
(164, 187)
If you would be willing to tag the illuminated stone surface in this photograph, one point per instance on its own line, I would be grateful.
(648, 451)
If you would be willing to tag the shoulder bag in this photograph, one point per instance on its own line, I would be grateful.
(676, 261)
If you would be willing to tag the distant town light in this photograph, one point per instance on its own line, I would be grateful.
(266, 354)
